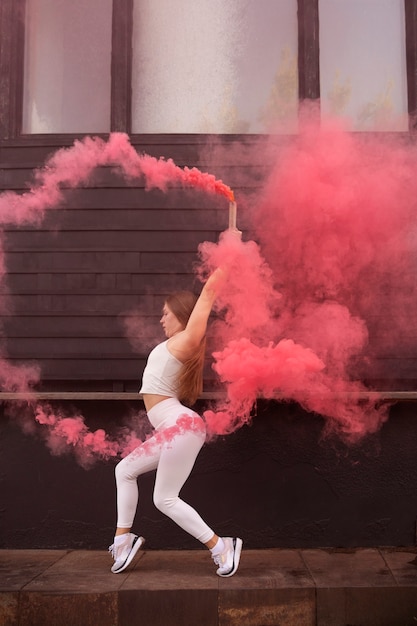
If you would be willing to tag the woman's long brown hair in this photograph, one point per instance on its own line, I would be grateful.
(190, 380)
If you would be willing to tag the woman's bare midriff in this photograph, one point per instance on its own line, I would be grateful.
(151, 399)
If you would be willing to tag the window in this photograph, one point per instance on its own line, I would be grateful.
(363, 73)
(209, 66)
(67, 66)
(204, 66)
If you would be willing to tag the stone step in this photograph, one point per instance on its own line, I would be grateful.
(273, 587)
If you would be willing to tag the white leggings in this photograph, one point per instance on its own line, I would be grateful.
(172, 450)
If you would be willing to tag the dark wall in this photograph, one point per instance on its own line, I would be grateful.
(275, 483)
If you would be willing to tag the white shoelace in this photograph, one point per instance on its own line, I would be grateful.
(219, 559)
(116, 550)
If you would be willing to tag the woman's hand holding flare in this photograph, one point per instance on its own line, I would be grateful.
(232, 220)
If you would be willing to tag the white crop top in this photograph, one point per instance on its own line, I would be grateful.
(160, 375)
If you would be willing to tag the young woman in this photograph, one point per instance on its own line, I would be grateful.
(173, 375)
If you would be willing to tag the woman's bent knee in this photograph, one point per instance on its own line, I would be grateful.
(164, 504)
(121, 471)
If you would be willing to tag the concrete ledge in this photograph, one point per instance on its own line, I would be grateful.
(383, 396)
(86, 395)
(366, 587)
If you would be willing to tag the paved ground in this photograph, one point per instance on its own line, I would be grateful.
(272, 587)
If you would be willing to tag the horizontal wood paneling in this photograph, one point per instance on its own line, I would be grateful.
(84, 283)
(63, 261)
(20, 179)
(110, 250)
(77, 347)
(99, 240)
(76, 304)
(70, 326)
(121, 240)
(109, 219)
(108, 262)
(124, 370)
(189, 150)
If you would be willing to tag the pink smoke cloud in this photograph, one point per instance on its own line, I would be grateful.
(18, 378)
(66, 434)
(72, 167)
(69, 433)
(335, 226)
(266, 361)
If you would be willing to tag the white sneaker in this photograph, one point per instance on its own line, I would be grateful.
(228, 561)
(124, 553)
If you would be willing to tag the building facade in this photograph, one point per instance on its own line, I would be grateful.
(211, 85)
